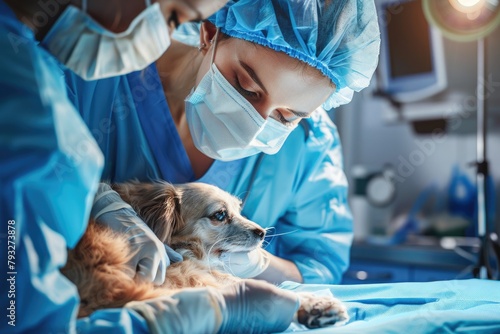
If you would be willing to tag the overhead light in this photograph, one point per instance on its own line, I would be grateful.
(467, 6)
(467, 3)
(463, 20)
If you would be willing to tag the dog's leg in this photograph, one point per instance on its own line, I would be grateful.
(320, 311)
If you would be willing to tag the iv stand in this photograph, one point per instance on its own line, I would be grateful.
(482, 269)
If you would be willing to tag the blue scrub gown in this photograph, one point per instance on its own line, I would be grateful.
(50, 167)
(301, 191)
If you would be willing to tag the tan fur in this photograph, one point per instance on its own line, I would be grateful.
(157, 203)
(97, 266)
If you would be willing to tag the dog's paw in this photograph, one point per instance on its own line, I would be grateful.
(320, 311)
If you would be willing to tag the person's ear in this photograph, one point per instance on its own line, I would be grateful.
(207, 34)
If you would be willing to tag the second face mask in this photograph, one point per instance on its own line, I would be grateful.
(93, 52)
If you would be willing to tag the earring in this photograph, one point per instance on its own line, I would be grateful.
(202, 46)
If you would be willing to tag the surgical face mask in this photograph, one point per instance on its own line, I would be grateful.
(225, 126)
(93, 52)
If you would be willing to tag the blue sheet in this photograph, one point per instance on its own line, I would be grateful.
(467, 306)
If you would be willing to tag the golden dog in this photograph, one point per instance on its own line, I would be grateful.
(200, 222)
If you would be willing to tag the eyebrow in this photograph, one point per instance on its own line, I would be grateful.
(256, 79)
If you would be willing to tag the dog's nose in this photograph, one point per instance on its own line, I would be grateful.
(259, 232)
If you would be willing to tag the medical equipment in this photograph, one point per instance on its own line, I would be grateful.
(412, 63)
(373, 194)
(463, 20)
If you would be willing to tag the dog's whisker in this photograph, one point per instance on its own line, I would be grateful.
(272, 236)
(268, 229)
(280, 234)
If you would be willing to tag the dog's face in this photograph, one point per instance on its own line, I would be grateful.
(193, 212)
(214, 216)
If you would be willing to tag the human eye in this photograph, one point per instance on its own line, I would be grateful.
(278, 115)
(246, 93)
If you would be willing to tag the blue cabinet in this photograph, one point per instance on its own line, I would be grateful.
(368, 273)
(385, 264)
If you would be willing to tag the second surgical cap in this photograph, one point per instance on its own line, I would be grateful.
(340, 38)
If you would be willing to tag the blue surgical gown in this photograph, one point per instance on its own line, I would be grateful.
(50, 167)
(301, 191)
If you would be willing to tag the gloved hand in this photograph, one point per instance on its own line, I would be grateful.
(152, 257)
(247, 307)
(246, 264)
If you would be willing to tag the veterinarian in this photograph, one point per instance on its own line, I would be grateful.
(220, 113)
(50, 167)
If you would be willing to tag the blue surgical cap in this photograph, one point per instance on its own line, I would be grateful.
(340, 38)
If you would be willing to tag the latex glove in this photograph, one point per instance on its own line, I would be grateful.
(246, 264)
(151, 257)
(247, 307)
(173, 256)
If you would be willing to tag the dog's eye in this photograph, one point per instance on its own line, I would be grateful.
(220, 215)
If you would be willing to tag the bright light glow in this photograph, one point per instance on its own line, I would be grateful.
(467, 6)
(468, 3)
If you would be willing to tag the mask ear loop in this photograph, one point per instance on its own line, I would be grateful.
(84, 6)
(148, 3)
(213, 49)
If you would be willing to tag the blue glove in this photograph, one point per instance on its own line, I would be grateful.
(247, 307)
(151, 257)
(173, 256)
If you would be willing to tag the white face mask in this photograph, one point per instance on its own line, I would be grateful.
(93, 52)
(225, 126)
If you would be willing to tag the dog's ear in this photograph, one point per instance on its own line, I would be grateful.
(158, 204)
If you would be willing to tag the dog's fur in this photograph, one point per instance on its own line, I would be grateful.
(200, 222)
